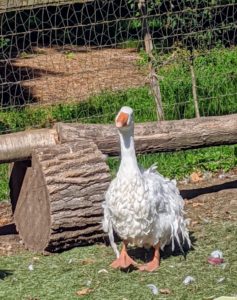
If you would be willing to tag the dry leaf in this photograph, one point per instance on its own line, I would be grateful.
(84, 292)
(196, 176)
(194, 223)
(35, 258)
(87, 261)
(165, 291)
(198, 204)
(4, 221)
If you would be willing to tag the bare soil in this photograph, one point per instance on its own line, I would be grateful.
(208, 200)
(58, 75)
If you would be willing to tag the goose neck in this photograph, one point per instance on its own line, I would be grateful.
(128, 163)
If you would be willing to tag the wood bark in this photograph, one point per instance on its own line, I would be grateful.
(18, 146)
(6, 5)
(157, 136)
(60, 202)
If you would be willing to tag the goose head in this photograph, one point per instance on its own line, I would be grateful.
(124, 120)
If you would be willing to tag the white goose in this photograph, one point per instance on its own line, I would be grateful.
(142, 207)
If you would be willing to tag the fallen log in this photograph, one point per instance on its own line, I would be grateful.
(19, 145)
(149, 137)
(157, 136)
(59, 205)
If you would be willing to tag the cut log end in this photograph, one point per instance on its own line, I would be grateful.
(60, 202)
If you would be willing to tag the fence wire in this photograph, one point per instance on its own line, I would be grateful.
(81, 61)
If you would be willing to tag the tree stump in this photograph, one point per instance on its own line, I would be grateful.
(60, 202)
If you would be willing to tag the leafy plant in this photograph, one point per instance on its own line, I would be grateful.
(4, 42)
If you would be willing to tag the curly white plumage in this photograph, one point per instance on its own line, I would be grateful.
(142, 207)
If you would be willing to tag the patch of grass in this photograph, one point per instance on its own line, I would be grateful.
(98, 109)
(216, 76)
(180, 164)
(59, 276)
(4, 188)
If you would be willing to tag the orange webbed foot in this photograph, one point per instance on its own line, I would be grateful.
(155, 263)
(150, 267)
(123, 262)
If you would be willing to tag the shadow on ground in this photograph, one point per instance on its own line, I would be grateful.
(192, 193)
(5, 273)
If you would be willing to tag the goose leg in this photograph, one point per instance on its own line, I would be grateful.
(124, 261)
(155, 263)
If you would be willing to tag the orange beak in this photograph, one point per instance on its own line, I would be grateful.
(122, 120)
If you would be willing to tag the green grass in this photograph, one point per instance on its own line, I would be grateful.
(181, 164)
(216, 76)
(59, 276)
(98, 109)
(4, 189)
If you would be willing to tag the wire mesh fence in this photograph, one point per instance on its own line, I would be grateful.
(83, 60)
(80, 60)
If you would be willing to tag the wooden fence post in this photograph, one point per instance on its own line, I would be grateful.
(194, 87)
(154, 83)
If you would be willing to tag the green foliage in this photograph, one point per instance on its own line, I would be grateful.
(4, 42)
(4, 189)
(197, 24)
(216, 76)
(98, 109)
(181, 164)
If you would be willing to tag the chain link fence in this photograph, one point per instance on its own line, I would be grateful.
(82, 60)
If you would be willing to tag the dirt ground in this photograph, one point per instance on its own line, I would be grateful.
(55, 75)
(207, 200)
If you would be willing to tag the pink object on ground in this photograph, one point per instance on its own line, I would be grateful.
(215, 260)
